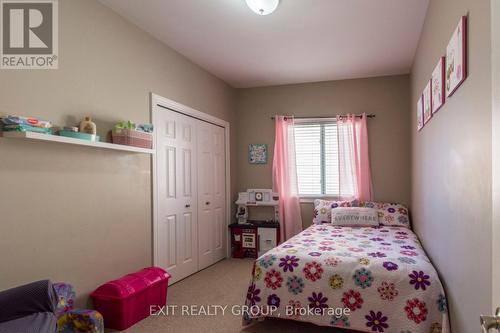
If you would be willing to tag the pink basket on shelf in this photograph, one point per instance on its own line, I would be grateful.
(131, 137)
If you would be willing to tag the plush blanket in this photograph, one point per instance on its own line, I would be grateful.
(369, 279)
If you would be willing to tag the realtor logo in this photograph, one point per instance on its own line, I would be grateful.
(29, 36)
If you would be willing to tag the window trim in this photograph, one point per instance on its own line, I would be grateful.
(310, 198)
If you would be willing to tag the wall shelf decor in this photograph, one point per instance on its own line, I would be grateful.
(438, 86)
(257, 153)
(61, 139)
(427, 102)
(456, 58)
(420, 113)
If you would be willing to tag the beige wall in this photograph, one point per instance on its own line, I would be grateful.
(495, 38)
(451, 159)
(79, 214)
(387, 97)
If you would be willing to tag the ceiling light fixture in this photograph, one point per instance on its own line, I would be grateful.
(263, 7)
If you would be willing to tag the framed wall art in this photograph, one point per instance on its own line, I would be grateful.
(257, 153)
(437, 84)
(427, 102)
(420, 114)
(456, 58)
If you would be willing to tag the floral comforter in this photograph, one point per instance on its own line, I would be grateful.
(369, 279)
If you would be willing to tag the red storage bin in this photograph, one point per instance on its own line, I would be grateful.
(126, 301)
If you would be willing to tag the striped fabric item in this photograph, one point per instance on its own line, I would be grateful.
(41, 322)
(29, 308)
(43, 307)
(25, 300)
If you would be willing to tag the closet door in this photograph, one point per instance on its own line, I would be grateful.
(177, 234)
(219, 194)
(211, 194)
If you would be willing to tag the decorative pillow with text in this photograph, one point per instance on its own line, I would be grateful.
(355, 217)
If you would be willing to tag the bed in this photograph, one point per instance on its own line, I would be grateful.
(368, 279)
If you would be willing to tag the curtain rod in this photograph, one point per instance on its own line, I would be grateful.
(371, 115)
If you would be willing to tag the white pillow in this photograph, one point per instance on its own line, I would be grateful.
(355, 216)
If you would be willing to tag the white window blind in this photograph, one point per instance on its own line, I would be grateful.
(316, 154)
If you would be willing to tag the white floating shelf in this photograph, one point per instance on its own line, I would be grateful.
(73, 141)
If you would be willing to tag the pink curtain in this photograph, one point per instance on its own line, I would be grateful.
(285, 178)
(354, 161)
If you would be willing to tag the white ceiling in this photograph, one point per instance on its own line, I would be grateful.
(303, 41)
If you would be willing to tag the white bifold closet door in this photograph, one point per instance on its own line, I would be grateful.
(190, 169)
(211, 194)
(177, 233)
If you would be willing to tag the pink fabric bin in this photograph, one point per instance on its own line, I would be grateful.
(125, 301)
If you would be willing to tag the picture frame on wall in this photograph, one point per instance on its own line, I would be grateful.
(456, 58)
(427, 102)
(437, 84)
(257, 153)
(420, 114)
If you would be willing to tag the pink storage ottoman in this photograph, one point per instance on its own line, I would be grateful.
(125, 301)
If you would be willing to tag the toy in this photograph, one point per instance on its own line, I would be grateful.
(254, 238)
(87, 126)
(147, 128)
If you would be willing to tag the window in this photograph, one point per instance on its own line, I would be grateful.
(316, 153)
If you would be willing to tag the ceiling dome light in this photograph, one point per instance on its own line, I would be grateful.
(263, 7)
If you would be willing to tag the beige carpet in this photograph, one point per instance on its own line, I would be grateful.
(224, 283)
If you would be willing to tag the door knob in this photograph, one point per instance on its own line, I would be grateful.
(207, 203)
(188, 205)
